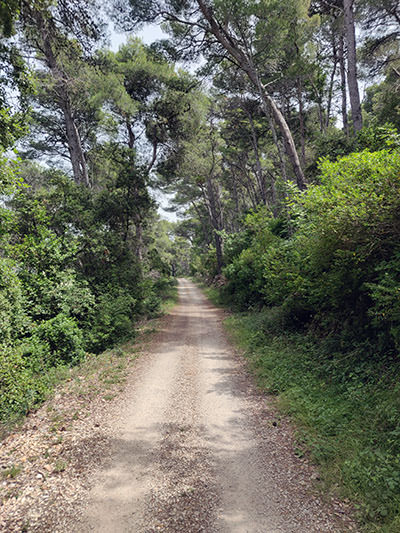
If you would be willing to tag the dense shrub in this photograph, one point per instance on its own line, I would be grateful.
(20, 388)
(70, 283)
(244, 257)
(113, 318)
(340, 269)
(62, 338)
(13, 318)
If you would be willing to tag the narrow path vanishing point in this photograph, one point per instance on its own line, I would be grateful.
(197, 448)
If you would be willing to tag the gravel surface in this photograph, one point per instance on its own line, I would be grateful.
(189, 445)
(197, 448)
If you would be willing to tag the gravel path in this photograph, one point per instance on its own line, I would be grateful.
(194, 447)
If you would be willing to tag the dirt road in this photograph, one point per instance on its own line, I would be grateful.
(197, 448)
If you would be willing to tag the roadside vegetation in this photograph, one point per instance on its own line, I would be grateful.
(285, 179)
(65, 438)
(84, 255)
(320, 324)
(345, 404)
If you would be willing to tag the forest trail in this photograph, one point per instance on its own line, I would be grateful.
(196, 448)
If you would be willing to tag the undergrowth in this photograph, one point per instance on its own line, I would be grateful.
(105, 369)
(346, 407)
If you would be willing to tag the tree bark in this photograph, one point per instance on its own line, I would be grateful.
(343, 85)
(282, 162)
(301, 122)
(290, 148)
(268, 103)
(331, 80)
(259, 171)
(216, 219)
(78, 160)
(352, 65)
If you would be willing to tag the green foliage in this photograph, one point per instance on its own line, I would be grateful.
(350, 227)
(9, 179)
(113, 319)
(330, 144)
(19, 387)
(70, 282)
(245, 283)
(80, 265)
(375, 138)
(335, 268)
(385, 296)
(327, 338)
(244, 255)
(9, 11)
(346, 407)
(13, 317)
(61, 339)
(382, 103)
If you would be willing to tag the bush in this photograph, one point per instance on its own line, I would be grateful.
(339, 270)
(58, 340)
(13, 318)
(385, 296)
(112, 319)
(350, 225)
(375, 138)
(20, 388)
(244, 279)
(244, 256)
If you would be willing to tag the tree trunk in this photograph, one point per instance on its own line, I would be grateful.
(352, 65)
(267, 101)
(131, 135)
(259, 172)
(331, 80)
(278, 146)
(343, 85)
(78, 160)
(216, 219)
(288, 141)
(301, 122)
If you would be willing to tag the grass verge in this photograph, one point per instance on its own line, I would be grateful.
(170, 298)
(346, 407)
(211, 292)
